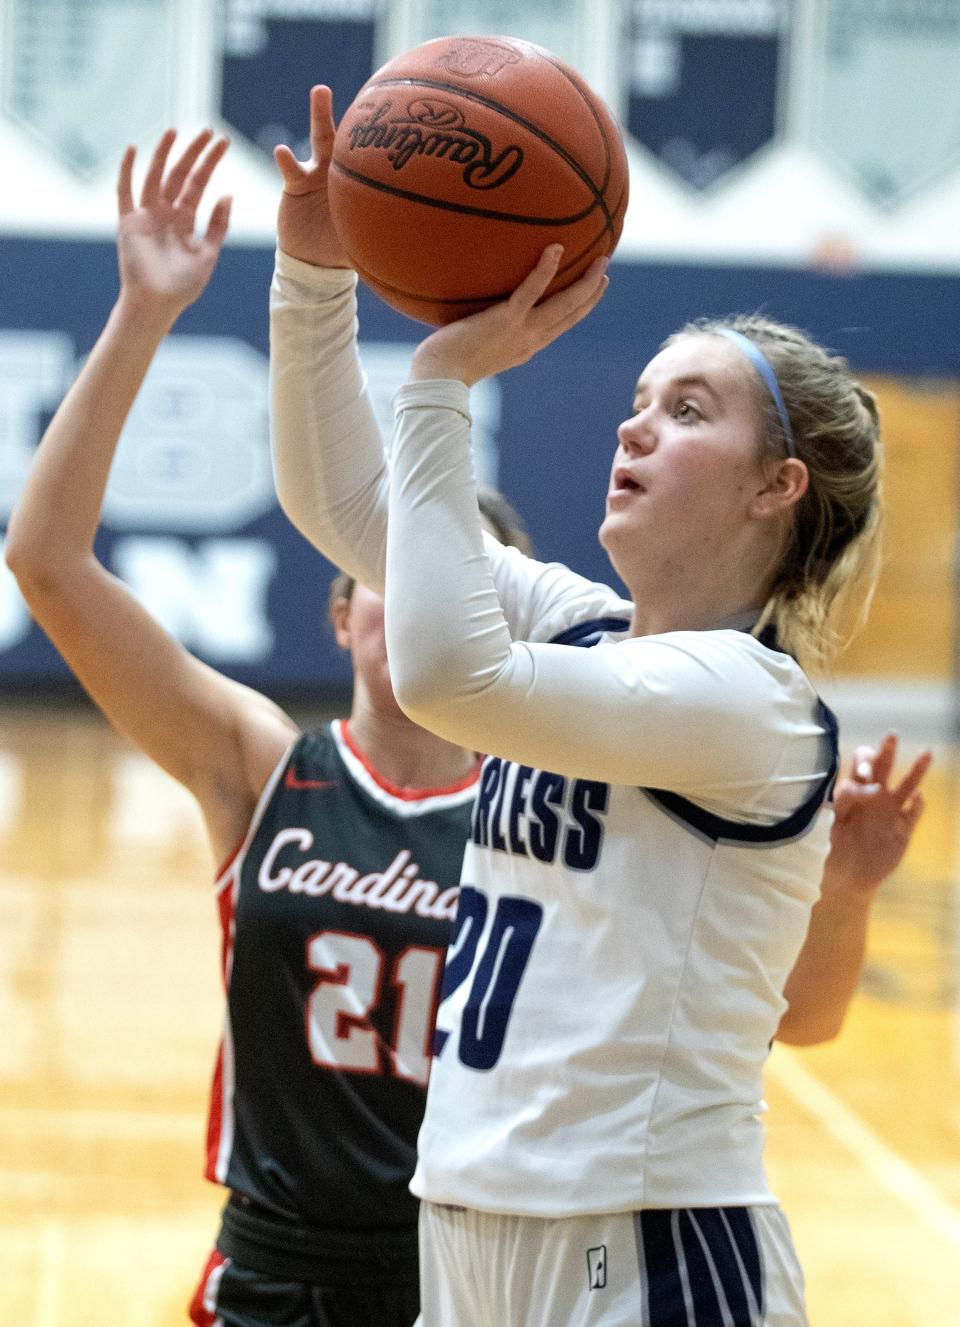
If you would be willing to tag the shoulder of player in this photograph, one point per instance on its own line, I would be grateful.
(561, 602)
(745, 669)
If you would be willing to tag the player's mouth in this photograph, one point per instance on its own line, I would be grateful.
(624, 485)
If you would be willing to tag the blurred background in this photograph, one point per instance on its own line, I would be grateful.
(799, 157)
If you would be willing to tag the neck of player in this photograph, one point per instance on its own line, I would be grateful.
(690, 594)
(402, 752)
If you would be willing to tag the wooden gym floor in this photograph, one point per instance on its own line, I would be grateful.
(110, 1010)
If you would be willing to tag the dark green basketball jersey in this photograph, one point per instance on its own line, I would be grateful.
(335, 914)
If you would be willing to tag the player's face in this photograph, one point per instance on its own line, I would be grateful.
(359, 628)
(688, 459)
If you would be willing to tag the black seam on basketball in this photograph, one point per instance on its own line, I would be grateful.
(446, 206)
(593, 111)
(578, 257)
(505, 111)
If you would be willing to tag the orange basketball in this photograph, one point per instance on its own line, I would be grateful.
(460, 161)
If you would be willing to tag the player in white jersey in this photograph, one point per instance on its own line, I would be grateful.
(651, 825)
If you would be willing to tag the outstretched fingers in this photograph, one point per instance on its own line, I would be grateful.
(322, 128)
(912, 812)
(886, 757)
(908, 785)
(871, 764)
(182, 167)
(301, 176)
(188, 199)
(290, 168)
(150, 193)
(125, 181)
(217, 225)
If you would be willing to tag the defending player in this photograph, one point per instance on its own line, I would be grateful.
(341, 849)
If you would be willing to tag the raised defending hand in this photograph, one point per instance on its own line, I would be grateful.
(511, 332)
(163, 265)
(304, 226)
(874, 818)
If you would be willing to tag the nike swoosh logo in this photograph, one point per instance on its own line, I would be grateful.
(291, 781)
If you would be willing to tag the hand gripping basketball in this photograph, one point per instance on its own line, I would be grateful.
(511, 332)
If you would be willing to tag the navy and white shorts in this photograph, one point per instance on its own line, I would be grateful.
(692, 1267)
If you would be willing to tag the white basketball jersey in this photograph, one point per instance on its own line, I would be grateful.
(613, 985)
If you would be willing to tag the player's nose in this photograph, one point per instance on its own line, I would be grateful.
(637, 435)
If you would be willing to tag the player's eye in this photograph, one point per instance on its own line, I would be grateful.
(687, 412)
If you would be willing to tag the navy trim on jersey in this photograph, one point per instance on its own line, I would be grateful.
(714, 827)
(586, 634)
(701, 1267)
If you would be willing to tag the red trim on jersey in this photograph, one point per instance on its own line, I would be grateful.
(231, 857)
(214, 1118)
(290, 780)
(394, 789)
(199, 1313)
(226, 902)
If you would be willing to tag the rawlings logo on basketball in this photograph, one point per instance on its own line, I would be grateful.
(431, 127)
(479, 57)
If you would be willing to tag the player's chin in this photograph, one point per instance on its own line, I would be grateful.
(612, 529)
(622, 537)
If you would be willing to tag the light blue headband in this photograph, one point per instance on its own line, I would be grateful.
(763, 366)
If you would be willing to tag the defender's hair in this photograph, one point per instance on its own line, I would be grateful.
(500, 519)
(834, 550)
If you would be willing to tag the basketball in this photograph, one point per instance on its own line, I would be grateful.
(460, 161)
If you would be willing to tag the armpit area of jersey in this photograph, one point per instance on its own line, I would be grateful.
(257, 1238)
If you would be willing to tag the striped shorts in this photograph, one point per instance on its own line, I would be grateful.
(693, 1267)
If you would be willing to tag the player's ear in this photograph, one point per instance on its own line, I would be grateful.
(340, 621)
(783, 487)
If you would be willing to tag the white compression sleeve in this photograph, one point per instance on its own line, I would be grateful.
(329, 464)
(328, 458)
(669, 711)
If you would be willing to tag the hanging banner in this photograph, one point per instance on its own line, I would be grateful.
(884, 96)
(704, 81)
(86, 79)
(271, 52)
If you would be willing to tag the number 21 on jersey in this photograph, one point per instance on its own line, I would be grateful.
(354, 977)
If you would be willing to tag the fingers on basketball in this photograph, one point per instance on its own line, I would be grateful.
(534, 285)
(571, 305)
